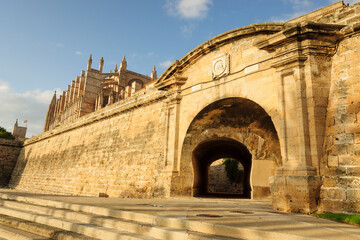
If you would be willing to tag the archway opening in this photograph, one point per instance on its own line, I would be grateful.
(235, 128)
(210, 151)
(226, 176)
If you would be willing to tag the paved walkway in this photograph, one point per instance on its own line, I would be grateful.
(239, 213)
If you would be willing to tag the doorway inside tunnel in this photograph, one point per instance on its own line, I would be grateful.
(222, 168)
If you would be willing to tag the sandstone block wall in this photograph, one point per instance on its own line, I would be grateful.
(118, 150)
(9, 152)
(340, 169)
(219, 181)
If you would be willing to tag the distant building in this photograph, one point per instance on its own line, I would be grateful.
(94, 90)
(19, 132)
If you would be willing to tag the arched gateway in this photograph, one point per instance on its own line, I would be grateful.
(235, 128)
(282, 99)
(245, 94)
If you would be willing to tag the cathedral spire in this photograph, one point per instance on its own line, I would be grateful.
(153, 74)
(101, 64)
(123, 64)
(89, 62)
(115, 69)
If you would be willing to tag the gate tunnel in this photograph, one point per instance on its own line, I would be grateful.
(208, 152)
(237, 128)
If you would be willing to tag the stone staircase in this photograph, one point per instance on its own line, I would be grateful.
(34, 216)
(24, 217)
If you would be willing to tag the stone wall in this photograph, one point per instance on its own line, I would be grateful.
(118, 150)
(219, 181)
(9, 152)
(340, 169)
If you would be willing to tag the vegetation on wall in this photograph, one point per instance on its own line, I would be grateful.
(5, 134)
(233, 173)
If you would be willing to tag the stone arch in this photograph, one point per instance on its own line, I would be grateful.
(232, 122)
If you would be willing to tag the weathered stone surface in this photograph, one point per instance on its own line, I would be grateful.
(343, 108)
(9, 152)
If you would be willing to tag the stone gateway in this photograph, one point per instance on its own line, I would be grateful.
(283, 99)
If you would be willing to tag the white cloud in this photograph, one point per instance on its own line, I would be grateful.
(299, 4)
(59, 45)
(351, 2)
(41, 96)
(188, 9)
(165, 64)
(300, 7)
(31, 105)
(78, 53)
(286, 17)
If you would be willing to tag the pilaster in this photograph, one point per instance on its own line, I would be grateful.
(173, 87)
(301, 51)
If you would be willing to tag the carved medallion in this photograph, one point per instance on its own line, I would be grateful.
(221, 65)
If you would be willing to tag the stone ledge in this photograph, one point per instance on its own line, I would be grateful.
(10, 142)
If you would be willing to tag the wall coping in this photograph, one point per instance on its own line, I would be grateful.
(208, 46)
(10, 142)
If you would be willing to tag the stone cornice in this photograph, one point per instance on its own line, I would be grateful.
(329, 33)
(174, 81)
(179, 65)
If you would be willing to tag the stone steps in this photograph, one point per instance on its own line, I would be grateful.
(16, 228)
(90, 230)
(86, 218)
(13, 233)
(205, 230)
(102, 223)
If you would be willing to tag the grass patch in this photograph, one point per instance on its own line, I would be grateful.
(353, 219)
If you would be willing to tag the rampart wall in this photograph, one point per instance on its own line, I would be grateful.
(117, 150)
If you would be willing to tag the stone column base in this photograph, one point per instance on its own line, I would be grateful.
(293, 191)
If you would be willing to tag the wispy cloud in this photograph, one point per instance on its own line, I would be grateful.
(165, 64)
(78, 53)
(59, 45)
(299, 7)
(187, 30)
(351, 2)
(142, 56)
(188, 9)
(287, 17)
(299, 4)
(31, 105)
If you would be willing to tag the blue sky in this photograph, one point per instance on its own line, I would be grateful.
(44, 44)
